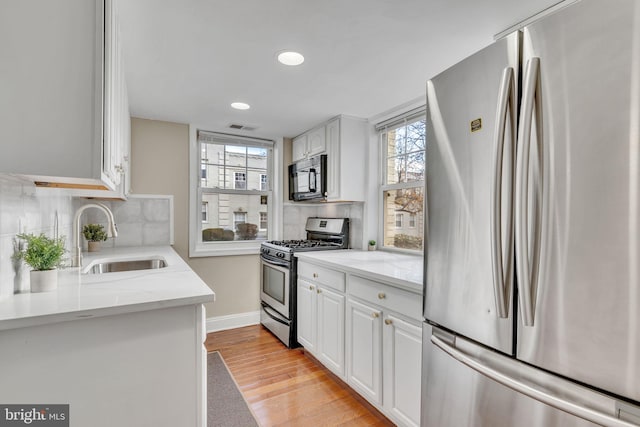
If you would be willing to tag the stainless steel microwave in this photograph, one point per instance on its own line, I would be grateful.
(308, 179)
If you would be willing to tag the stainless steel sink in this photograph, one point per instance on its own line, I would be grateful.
(113, 266)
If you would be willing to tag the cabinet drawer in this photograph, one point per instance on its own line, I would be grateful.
(325, 276)
(388, 297)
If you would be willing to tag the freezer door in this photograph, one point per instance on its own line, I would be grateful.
(471, 115)
(581, 271)
(467, 385)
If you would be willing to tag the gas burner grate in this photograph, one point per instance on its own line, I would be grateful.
(302, 244)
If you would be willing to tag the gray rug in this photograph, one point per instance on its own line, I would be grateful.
(225, 405)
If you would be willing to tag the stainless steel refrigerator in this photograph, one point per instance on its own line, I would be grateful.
(532, 266)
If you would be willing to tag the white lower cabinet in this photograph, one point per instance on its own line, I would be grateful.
(145, 368)
(366, 332)
(402, 344)
(306, 315)
(330, 334)
(364, 337)
(384, 336)
(320, 322)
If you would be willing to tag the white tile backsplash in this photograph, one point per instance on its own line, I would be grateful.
(142, 220)
(23, 208)
(295, 217)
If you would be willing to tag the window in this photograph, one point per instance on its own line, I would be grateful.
(403, 147)
(240, 180)
(399, 217)
(239, 218)
(232, 193)
(263, 221)
(205, 211)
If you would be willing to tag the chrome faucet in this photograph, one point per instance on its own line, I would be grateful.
(76, 259)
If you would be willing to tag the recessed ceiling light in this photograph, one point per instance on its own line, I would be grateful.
(290, 58)
(240, 106)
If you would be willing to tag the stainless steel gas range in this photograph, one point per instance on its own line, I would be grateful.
(278, 273)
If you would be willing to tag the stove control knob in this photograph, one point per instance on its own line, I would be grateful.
(280, 255)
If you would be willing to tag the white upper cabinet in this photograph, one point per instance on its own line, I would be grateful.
(299, 147)
(64, 119)
(309, 144)
(344, 140)
(316, 142)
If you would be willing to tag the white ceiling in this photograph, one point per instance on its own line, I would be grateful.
(187, 60)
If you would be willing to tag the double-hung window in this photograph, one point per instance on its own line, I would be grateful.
(234, 175)
(403, 142)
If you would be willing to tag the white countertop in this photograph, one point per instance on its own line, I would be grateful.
(400, 270)
(90, 295)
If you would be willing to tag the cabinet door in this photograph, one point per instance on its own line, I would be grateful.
(110, 138)
(402, 370)
(51, 88)
(299, 148)
(316, 142)
(364, 337)
(333, 158)
(331, 330)
(306, 315)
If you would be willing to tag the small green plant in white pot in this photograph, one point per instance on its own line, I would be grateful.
(372, 245)
(44, 255)
(94, 233)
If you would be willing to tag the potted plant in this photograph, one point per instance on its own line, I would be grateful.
(44, 256)
(94, 233)
(372, 245)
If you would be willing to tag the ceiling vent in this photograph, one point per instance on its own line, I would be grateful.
(242, 127)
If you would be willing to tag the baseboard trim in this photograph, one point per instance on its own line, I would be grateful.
(221, 323)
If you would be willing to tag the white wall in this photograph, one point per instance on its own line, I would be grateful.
(160, 165)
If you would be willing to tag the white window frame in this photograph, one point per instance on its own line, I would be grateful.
(198, 248)
(415, 114)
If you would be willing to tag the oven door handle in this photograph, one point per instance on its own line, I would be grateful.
(273, 314)
(273, 262)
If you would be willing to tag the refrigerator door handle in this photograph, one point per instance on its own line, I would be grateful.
(506, 109)
(527, 272)
(534, 383)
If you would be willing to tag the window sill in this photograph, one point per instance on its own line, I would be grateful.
(225, 249)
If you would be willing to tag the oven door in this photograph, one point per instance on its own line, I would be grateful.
(275, 285)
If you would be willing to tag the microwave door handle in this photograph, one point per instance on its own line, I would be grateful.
(312, 181)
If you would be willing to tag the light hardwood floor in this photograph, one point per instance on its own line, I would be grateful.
(286, 387)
